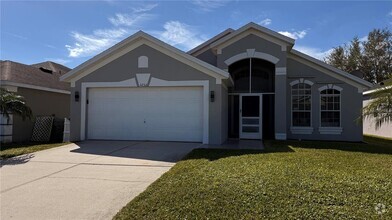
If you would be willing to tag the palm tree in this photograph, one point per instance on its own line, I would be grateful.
(12, 103)
(380, 108)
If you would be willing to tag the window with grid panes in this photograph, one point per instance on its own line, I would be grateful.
(301, 105)
(330, 108)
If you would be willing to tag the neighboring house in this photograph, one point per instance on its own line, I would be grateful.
(247, 83)
(369, 125)
(39, 84)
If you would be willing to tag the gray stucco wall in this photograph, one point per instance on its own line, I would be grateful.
(261, 45)
(41, 103)
(208, 56)
(225, 114)
(351, 104)
(160, 66)
(252, 42)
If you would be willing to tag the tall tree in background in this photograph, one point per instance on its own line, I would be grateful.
(354, 56)
(373, 56)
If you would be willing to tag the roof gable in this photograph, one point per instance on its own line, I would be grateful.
(252, 28)
(330, 70)
(205, 46)
(132, 42)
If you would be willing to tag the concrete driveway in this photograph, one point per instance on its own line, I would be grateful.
(88, 180)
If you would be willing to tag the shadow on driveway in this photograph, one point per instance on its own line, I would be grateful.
(155, 151)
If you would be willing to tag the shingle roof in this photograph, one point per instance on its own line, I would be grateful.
(55, 67)
(33, 75)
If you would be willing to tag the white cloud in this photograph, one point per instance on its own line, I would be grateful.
(390, 13)
(265, 22)
(145, 8)
(90, 44)
(121, 19)
(209, 5)
(87, 45)
(363, 39)
(313, 52)
(295, 34)
(180, 35)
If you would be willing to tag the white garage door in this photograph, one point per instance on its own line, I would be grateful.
(153, 113)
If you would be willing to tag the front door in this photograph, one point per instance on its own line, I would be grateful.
(250, 116)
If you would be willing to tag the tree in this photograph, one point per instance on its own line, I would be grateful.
(380, 108)
(354, 56)
(373, 56)
(338, 58)
(11, 103)
(377, 55)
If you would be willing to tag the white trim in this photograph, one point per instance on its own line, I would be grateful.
(142, 62)
(252, 28)
(301, 80)
(132, 42)
(22, 85)
(280, 136)
(142, 79)
(330, 130)
(297, 129)
(376, 90)
(301, 130)
(280, 71)
(250, 135)
(330, 86)
(153, 82)
(329, 70)
(251, 53)
(205, 46)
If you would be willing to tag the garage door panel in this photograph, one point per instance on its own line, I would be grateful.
(154, 113)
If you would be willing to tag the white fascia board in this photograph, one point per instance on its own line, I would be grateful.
(205, 46)
(376, 90)
(28, 86)
(68, 76)
(133, 42)
(264, 32)
(332, 71)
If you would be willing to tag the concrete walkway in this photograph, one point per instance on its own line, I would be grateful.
(88, 180)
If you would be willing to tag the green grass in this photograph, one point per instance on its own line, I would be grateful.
(16, 149)
(289, 180)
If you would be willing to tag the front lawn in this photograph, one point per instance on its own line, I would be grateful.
(289, 180)
(16, 149)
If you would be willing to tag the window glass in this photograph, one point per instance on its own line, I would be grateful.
(301, 105)
(330, 108)
(255, 74)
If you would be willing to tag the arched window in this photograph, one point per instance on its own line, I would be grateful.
(330, 106)
(253, 75)
(142, 62)
(301, 103)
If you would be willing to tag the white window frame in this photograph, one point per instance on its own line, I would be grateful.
(329, 129)
(301, 129)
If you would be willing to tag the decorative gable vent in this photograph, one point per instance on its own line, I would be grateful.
(142, 62)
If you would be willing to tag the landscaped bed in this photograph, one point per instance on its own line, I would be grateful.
(289, 180)
(16, 149)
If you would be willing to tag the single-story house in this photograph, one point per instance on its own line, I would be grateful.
(369, 124)
(43, 91)
(247, 83)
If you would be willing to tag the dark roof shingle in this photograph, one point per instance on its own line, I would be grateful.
(33, 75)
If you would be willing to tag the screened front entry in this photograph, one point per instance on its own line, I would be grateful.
(251, 99)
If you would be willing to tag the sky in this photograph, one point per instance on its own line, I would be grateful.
(71, 32)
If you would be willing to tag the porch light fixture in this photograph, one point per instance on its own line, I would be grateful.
(212, 96)
(76, 96)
